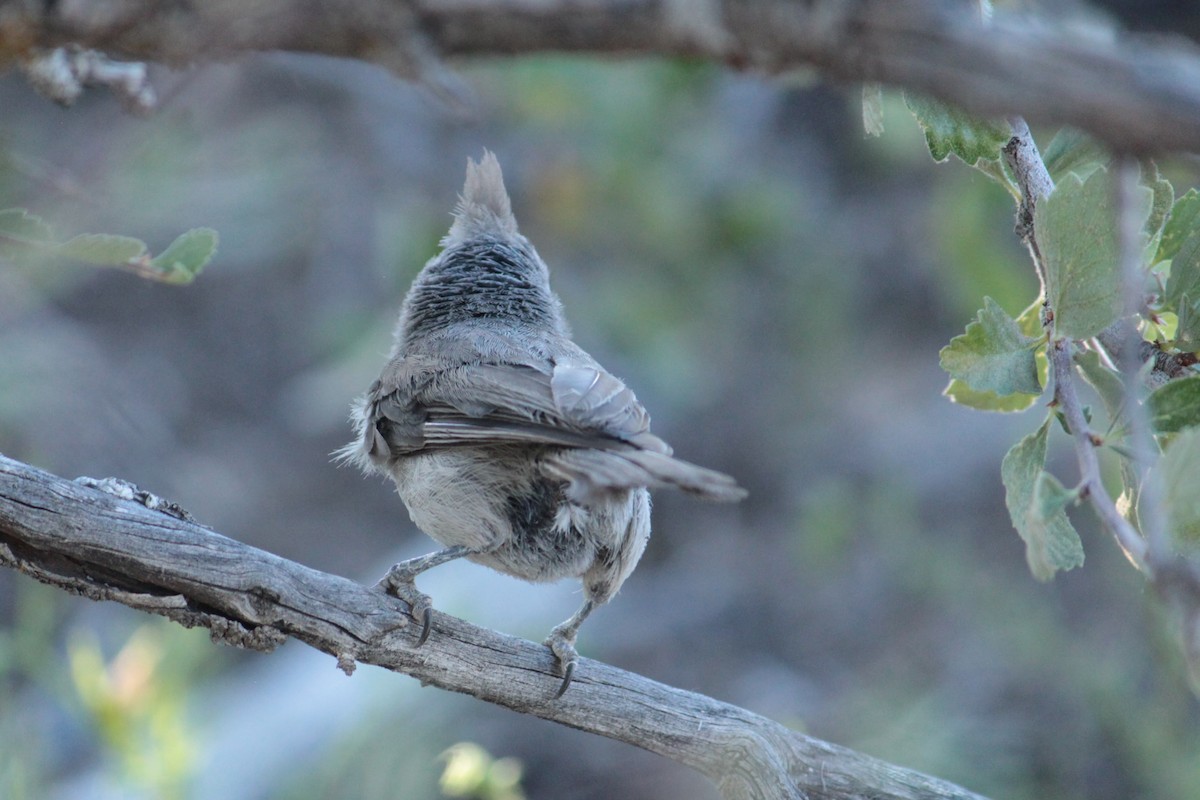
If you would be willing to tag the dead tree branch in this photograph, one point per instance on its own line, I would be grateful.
(93, 543)
(1136, 94)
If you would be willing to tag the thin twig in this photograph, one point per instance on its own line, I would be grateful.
(1035, 183)
(1176, 579)
(1091, 481)
(1022, 157)
(62, 73)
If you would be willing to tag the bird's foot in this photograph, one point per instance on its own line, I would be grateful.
(562, 643)
(399, 582)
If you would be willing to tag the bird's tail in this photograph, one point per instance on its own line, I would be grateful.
(596, 472)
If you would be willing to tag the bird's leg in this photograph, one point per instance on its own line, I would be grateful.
(400, 582)
(562, 642)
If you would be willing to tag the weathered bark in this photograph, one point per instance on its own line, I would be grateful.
(107, 548)
(1136, 94)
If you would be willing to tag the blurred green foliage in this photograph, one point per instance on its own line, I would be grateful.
(1124, 722)
(473, 772)
(664, 202)
(135, 703)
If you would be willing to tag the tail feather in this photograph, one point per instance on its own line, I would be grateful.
(596, 472)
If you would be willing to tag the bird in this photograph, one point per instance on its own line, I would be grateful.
(509, 444)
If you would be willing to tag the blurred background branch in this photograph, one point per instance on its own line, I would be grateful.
(1133, 94)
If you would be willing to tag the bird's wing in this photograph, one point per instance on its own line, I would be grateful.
(568, 403)
(599, 432)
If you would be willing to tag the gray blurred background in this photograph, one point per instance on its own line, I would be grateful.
(773, 284)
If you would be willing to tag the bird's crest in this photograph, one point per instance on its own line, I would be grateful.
(483, 207)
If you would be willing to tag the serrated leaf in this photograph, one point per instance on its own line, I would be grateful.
(183, 259)
(1049, 498)
(1051, 543)
(993, 354)
(1185, 272)
(103, 249)
(872, 109)
(1180, 470)
(1072, 150)
(1076, 232)
(1184, 220)
(950, 130)
(1106, 382)
(19, 228)
(1175, 405)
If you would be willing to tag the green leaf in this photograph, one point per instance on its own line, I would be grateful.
(994, 169)
(987, 400)
(1073, 151)
(1175, 405)
(19, 224)
(1076, 232)
(1160, 209)
(1184, 220)
(872, 109)
(183, 259)
(1030, 323)
(1030, 320)
(949, 130)
(103, 249)
(1185, 272)
(1131, 491)
(1036, 503)
(993, 354)
(1187, 327)
(1106, 382)
(20, 230)
(1062, 418)
(1049, 498)
(1180, 468)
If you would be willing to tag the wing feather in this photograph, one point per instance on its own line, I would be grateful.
(598, 431)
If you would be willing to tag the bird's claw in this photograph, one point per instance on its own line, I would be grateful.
(568, 673)
(399, 584)
(426, 621)
(564, 650)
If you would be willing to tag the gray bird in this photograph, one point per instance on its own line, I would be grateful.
(510, 445)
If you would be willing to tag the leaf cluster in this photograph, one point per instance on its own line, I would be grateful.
(26, 238)
(999, 363)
